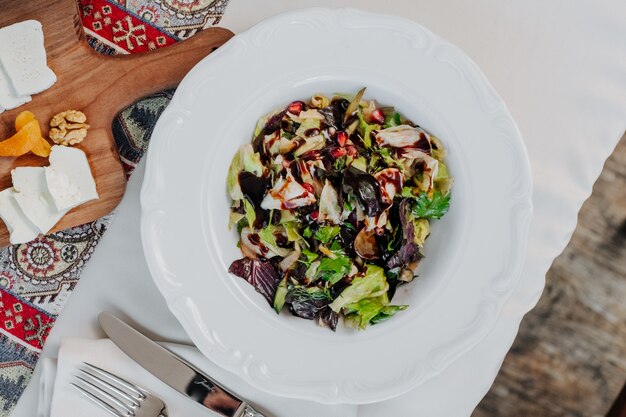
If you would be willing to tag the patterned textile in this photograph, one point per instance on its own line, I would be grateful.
(36, 278)
(131, 26)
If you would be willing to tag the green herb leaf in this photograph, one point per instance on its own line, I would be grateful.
(287, 135)
(434, 208)
(349, 226)
(393, 120)
(366, 130)
(339, 164)
(307, 232)
(333, 270)
(241, 225)
(389, 159)
(327, 233)
(311, 293)
(395, 241)
(337, 249)
(309, 257)
(367, 134)
(374, 161)
(307, 302)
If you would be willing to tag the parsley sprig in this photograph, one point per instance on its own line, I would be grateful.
(431, 208)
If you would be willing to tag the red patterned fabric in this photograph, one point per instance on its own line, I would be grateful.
(37, 277)
(123, 31)
(24, 321)
(132, 26)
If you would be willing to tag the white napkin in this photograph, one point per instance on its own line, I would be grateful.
(68, 402)
(46, 386)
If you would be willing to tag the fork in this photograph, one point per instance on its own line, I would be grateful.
(116, 395)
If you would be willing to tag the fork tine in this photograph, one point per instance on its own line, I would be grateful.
(134, 402)
(109, 397)
(141, 393)
(98, 401)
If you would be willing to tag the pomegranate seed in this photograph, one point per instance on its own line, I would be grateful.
(295, 107)
(378, 116)
(308, 187)
(351, 150)
(338, 152)
(315, 215)
(342, 138)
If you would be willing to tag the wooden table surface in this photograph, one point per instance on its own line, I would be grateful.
(569, 358)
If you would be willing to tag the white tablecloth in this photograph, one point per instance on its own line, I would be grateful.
(560, 66)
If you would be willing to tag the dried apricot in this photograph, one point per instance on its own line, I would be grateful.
(41, 147)
(23, 141)
(23, 118)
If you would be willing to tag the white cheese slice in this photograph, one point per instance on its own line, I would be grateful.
(23, 56)
(21, 229)
(69, 178)
(8, 99)
(31, 194)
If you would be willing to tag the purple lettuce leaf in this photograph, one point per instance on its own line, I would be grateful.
(261, 274)
(409, 250)
(328, 318)
(366, 189)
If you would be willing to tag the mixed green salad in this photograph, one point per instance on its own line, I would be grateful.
(333, 201)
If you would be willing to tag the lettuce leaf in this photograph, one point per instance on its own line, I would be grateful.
(372, 284)
(232, 180)
(329, 204)
(387, 312)
(244, 160)
(269, 239)
(306, 125)
(291, 228)
(281, 293)
(234, 219)
(370, 311)
(359, 314)
(250, 213)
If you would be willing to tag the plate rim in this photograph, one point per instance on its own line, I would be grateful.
(525, 199)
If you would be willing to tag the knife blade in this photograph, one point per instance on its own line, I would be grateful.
(175, 371)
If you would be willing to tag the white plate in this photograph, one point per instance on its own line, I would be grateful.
(473, 257)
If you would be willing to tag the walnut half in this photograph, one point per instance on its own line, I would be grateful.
(68, 127)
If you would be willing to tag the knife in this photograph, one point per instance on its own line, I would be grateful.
(175, 371)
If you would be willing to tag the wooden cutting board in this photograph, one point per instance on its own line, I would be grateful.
(100, 86)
